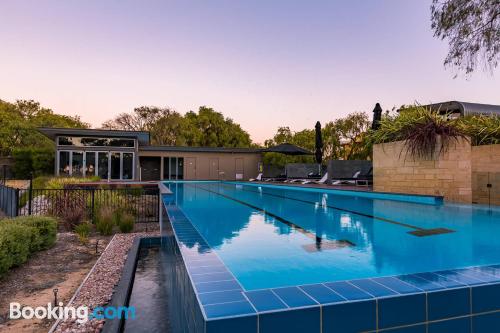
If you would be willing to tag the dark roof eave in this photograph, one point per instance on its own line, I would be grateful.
(201, 149)
(52, 132)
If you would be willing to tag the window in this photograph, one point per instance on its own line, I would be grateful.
(180, 168)
(128, 166)
(173, 168)
(102, 165)
(64, 163)
(106, 165)
(95, 142)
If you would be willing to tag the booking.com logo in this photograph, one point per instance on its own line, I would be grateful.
(81, 314)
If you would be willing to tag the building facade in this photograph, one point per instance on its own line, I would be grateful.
(128, 155)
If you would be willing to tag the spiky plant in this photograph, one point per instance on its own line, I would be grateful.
(423, 131)
(483, 129)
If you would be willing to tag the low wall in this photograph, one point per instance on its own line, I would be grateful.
(486, 170)
(302, 170)
(447, 174)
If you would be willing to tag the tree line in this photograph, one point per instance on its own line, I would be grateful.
(206, 127)
(344, 138)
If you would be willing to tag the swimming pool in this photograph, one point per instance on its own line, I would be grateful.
(256, 249)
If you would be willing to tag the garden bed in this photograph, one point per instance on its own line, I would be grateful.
(63, 266)
(98, 287)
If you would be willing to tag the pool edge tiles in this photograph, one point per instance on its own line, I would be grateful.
(370, 305)
(413, 198)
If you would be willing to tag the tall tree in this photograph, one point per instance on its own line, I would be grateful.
(346, 138)
(472, 28)
(19, 121)
(167, 127)
(210, 128)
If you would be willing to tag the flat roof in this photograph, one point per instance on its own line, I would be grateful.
(52, 132)
(201, 149)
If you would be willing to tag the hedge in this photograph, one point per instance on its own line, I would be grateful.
(20, 237)
(46, 227)
(40, 161)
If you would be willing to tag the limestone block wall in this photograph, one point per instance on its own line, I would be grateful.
(448, 174)
(486, 170)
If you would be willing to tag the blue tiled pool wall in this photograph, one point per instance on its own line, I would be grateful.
(464, 300)
(184, 310)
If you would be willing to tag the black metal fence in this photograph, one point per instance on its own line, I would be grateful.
(9, 199)
(81, 202)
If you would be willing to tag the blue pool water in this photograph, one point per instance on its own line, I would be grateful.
(270, 236)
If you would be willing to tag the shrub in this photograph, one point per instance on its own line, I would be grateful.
(42, 161)
(135, 191)
(83, 232)
(105, 221)
(45, 226)
(21, 236)
(37, 160)
(423, 131)
(126, 223)
(15, 245)
(483, 130)
(117, 216)
(58, 183)
(23, 164)
(70, 206)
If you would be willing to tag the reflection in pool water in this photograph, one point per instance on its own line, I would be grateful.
(261, 233)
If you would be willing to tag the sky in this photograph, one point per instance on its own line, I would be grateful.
(262, 63)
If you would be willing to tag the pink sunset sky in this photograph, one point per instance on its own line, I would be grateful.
(263, 63)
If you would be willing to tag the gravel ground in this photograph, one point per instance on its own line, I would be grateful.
(97, 290)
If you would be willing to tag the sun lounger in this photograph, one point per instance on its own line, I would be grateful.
(258, 178)
(357, 179)
(321, 181)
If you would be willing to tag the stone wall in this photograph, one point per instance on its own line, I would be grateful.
(447, 174)
(486, 170)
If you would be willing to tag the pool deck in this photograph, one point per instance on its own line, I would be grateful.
(322, 186)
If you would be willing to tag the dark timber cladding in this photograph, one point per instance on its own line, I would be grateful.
(128, 155)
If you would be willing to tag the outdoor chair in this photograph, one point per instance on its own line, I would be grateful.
(320, 181)
(258, 178)
(357, 179)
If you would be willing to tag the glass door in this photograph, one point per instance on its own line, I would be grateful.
(64, 162)
(173, 168)
(102, 165)
(115, 165)
(77, 164)
(127, 166)
(90, 165)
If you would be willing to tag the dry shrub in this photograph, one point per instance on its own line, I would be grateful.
(70, 207)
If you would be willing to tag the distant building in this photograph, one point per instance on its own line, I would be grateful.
(459, 109)
(128, 155)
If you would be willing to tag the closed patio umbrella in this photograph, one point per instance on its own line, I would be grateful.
(377, 116)
(319, 144)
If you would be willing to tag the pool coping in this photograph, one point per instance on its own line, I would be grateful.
(121, 292)
(396, 196)
(466, 278)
